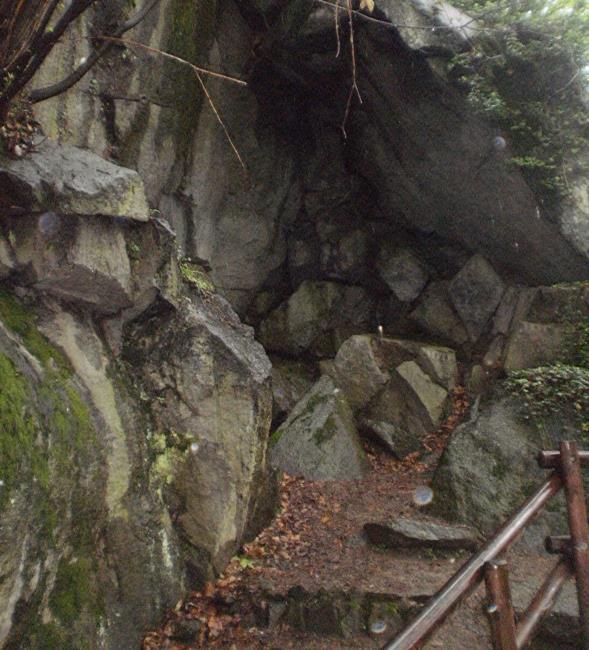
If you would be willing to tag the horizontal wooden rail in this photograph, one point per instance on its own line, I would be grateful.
(551, 459)
(470, 575)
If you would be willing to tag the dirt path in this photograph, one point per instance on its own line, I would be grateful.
(312, 571)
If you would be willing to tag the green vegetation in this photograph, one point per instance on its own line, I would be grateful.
(47, 435)
(275, 437)
(74, 591)
(576, 340)
(196, 277)
(552, 391)
(525, 74)
(23, 322)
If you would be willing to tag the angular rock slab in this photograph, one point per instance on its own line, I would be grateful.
(403, 272)
(290, 381)
(398, 441)
(421, 533)
(431, 396)
(69, 180)
(531, 345)
(476, 291)
(315, 318)
(435, 315)
(81, 260)
(358, 370)
(210, 381)
(489, 468)
(319, 440)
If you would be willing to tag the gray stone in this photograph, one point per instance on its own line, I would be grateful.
(319, 440)
(399, 442)
(506, 310)
(83, 479)
(314, 317)
(421, 533)
(210, 385)
(431, 396)
(440, 364)
(493, 359)
(397, 404)
(560, 304)
(435, 315)
(404, 273)
(478, 380)
(534, 344)
(345, 258)
(357, 370)
(489, 468)
(69, 180)
(89, 265)
(433, 177)
(290, 381)
(6, 259)
(475, 293)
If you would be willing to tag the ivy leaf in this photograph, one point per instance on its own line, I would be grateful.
(368, 5)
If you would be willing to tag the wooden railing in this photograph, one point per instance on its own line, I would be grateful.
(488, 565)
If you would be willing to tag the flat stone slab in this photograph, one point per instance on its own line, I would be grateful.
(421, 533)
(69, 180)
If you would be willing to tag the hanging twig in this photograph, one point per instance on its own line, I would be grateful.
(198, 71)
(354, 88)
(337, 36)
(172, 57)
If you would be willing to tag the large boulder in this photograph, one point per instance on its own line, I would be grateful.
(69, 180)
(358, 370)
(431, 177)
(476, 292)
(398, 388)
(542, 326)
(210, 386)
(319, 439)
(84, 533)
(81, 260)
(403, 272)
(489, 467)
(120, 478)
(435, 315)
(316, 319)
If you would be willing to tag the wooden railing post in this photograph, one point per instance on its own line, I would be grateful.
(499, 608)
(570, 469)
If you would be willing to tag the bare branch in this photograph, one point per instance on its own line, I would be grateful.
(42, 94)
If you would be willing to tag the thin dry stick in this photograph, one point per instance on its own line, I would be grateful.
(219, 119)
(198, 72)
(354, 88)
(339, 44)
(167, 55)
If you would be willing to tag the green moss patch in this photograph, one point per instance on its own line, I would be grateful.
(74, 591)
(23, 322)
